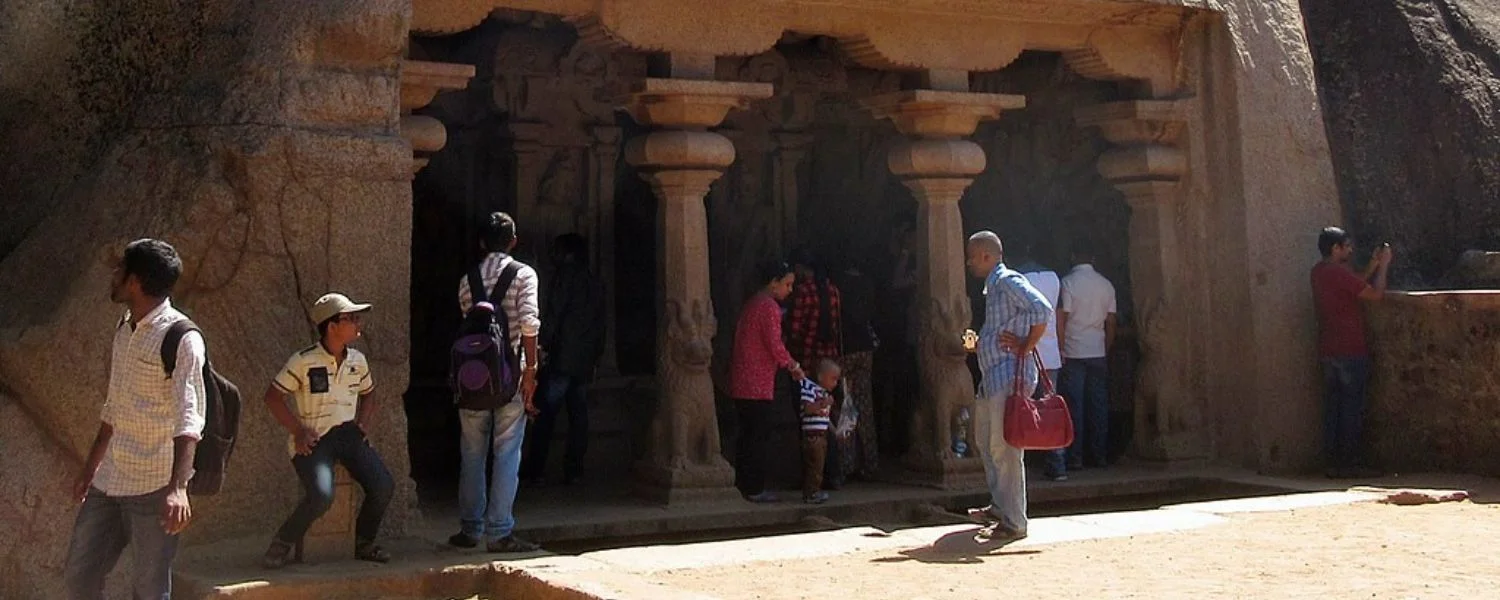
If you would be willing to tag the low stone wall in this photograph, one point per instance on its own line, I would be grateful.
(1435, 391)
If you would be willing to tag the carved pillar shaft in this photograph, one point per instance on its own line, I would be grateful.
(680, 160)
(937, 165)
(606, 151)
(1147, 165)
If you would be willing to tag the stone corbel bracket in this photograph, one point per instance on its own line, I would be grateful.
(945, 43)
(1117, 54)
(420, 83)
(1147, 137)
(702, 28)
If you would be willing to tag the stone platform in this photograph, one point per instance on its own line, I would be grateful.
(601, 546)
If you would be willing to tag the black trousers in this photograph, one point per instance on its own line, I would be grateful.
(753, 446)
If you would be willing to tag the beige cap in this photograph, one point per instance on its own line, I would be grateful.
(333, 305)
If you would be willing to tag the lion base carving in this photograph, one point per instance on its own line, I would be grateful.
(684, 462)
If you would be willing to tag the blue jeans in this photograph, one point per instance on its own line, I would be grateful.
(1085, 384)
(1004, 468)
(1344, 383)
(558, 392)
(104, 527)
(485, 512)
(344, 444)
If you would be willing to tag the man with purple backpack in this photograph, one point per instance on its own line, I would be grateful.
(493, 374)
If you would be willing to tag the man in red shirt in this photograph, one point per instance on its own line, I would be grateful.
(1337, 292)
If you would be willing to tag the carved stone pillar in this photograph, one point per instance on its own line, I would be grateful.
(420, 83)
(1148, 164)
(937, 165)
(680, 159)
(604, 152)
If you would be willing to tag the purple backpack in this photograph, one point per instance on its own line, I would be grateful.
(483, 369)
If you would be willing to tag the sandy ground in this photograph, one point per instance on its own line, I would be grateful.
(1352, 551)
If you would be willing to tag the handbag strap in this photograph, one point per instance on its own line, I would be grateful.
(1041, 372)
(1036, 358)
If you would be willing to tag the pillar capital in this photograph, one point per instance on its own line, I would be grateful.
(1147, 138)
(420, 83)
(670, 150)
(690, 103)
(422, 80)
(940, 114)
(1137, 122)
(941, 159)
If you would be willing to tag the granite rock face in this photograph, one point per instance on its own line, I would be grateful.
(1412, 93)
(261, 140)
(1434, 402)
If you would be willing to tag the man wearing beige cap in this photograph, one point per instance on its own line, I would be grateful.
(330, 384)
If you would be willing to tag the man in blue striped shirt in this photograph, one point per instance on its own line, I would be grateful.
(1015, 318)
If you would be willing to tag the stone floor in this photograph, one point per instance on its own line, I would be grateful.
(611, 547)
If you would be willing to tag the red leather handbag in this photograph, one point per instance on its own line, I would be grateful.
(1037, 424)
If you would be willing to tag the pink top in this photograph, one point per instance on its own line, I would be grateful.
(758, 350)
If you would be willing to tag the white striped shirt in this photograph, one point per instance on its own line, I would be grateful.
(145, 408)
(814, 419)
(520, 301)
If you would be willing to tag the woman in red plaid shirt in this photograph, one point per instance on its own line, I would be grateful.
(814, 328)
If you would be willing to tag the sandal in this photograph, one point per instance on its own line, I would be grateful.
(278, 555)
(371, 552)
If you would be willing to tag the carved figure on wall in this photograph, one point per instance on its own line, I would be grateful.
(684, 431)
(945, 378)
(559, 183)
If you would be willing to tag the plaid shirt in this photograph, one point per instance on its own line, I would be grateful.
(145, 408)
(803, 339)
(1010, 304)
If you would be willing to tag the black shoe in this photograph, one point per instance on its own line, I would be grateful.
(369, 551)
(277, 556)
(511, 544)
(762, 498)
(462, 540)
(1057, 476)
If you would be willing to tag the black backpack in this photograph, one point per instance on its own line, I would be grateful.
(483, 369)
(221, 415)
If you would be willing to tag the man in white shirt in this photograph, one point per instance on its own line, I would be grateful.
(329, 384)
(1045, 280)
(1086, 324)
(133, 487)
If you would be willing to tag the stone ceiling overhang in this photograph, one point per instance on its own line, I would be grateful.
(1103, 39)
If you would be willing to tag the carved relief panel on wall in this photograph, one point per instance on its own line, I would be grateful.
(558, 98)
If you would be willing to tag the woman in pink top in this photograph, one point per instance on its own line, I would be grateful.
(758, 353)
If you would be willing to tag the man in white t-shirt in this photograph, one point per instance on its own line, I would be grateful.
(1086, 324)
(1045, 280)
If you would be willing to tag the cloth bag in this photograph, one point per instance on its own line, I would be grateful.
(1036, 424)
